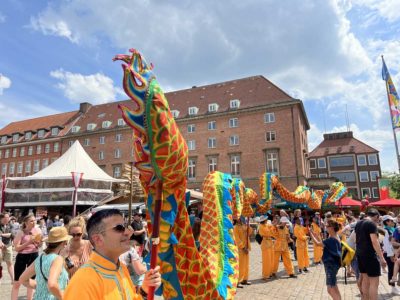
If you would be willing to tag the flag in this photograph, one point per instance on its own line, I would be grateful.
(384, 189)
(394, 103)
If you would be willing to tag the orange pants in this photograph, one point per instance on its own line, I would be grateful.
(243, 266)
(287, 262)
(267, 262)
(302, 258)
(317, 253)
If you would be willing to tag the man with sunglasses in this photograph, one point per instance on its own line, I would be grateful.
(103, 276)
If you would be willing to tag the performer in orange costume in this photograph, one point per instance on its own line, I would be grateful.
(242, 239)
(301, 246)
(317, 249)
(281, 248)
(267, 231)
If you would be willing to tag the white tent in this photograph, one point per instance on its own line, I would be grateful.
(53, 186)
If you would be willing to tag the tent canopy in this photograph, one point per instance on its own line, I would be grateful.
(389, 202)
(347, 201)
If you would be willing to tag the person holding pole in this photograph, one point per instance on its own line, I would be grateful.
(242, 234)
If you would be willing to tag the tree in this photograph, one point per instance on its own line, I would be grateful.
(395, 186)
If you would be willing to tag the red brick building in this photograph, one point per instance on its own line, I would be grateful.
(349, 160)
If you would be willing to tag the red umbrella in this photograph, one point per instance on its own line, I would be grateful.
(386, 202)
(347, 201)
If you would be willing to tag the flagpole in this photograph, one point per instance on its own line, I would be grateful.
(394, 131)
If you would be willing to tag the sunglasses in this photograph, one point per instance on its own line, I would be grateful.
(76, 234)
(120, 228)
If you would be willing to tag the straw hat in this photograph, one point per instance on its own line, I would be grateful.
(58, 234)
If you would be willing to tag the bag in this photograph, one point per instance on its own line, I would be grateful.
(347, 257)
(259, 238)
(41, 271)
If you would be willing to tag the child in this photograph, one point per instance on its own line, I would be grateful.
(331, 256)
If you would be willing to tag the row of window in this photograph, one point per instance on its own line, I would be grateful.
(41, 133)
(102, 140)
(364, 176)
(271, 164)
(104, 125)
(18, 168)
(212, 107)
(30, 150)
(344, 161)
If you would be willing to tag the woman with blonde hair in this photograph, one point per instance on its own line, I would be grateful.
(27, 243)
(78, 250)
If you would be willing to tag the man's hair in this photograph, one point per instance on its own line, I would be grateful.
(95, 223)
(335, 225)
(372, 212)
(2, 215)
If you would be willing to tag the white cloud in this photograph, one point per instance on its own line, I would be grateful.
(96, 88)
(388, 9)
(51, 25)
(5, 83)
(2, 18)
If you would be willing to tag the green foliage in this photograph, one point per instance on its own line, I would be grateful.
(395, 186)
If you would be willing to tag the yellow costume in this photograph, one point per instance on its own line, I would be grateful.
(267, 231)
(242, 239)
(281, 248)
(301, 246)
(317, 249)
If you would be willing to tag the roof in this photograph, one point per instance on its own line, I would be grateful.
(340, 143)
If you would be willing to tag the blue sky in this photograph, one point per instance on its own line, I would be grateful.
(56, 54)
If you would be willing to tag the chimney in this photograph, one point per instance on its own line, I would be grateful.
(84, 107)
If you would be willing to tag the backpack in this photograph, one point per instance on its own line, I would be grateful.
(347, 257)
(258, 238)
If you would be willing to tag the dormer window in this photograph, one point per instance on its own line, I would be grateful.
(91, 126)
(4, 139)
(175, 113)
(28, 135)
(102, 115)
(234, 104)
(121, 122)
(75, 129)
(15, 137)
(213, 107)
(193, 111)
(41, 133)
(55, 131)
(106, 124)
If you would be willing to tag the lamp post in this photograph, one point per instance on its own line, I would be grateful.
(76, 180)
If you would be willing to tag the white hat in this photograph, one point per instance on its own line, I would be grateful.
(387, 217)
(263, 218)
(284, 220)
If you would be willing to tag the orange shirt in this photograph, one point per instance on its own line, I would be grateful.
(301, 237)
(281, 236)
(267, 231)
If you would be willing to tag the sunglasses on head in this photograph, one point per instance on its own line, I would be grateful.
(76, 234)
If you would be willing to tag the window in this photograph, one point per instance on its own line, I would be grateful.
(20, 167)
(270, 136)
(191, 128)
(118, 137)
(15, 137)
(14, 153)
(314, 176)
(235, 165)
(22, 151)
(28, 166)
(4, 139)
(117, 171)
(272, 158)
(75, 129)
(38, 149)
(117, 153)
(101, 155)
(193, 110)
(102, 115)
(212, 143)
(375, 193)
(269, 118)
(55, 131)
(234, 122)
(345, 176)
(365, 192)
(342, 161)
(364, 176)
(212, 125)
(4, 169)
(192, 145)
(233, 140)
(28, 135)
(213, 107)
(53, 159)
(70, 143)
(47, 148)
(372, 159)
(12, 168)
(7, 153)
(102, 140)
(175, 113)
(91, 126)
(86, 142)
(30, 150)
(234, 103)
(45, 163)
(191, 168)
(106, 124)
(313, 164)
(41, 133)
(36, 165)
(321, 163)
(361, 160)
(212, 164)
(56, 147)
(121, 122)
(323, 175)
(374, 175)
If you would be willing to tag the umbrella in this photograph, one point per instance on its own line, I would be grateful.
(347, 201)
(389, 202)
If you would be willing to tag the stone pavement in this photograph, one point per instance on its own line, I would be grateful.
(309, 286)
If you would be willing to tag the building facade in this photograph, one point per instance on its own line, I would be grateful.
(350, 161)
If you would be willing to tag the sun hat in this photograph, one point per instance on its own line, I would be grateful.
(263, 218)
(388, 217)
(58, 234)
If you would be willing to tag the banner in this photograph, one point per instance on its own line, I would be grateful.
(384, 189)
(392, 96)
